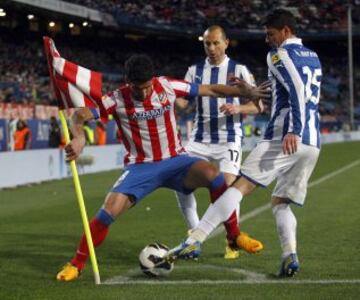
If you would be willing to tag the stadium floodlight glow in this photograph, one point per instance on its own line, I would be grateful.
(51, 24)
(2, 14)
(85, 24)
(30, 17)
(200, 38)
(71, 25)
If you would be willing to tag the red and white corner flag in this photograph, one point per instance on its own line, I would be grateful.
(73, 85)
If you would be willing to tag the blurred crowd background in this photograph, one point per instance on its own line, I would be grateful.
(245, 14)
(24, 78)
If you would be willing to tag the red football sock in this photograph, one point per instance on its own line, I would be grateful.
(232, 227)
(216, 192)
(98, 231)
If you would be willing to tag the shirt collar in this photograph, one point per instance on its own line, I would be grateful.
(224, 62)
(291, 41)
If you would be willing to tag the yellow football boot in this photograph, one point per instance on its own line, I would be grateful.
(231, 253)
(68, 273)
(248, 244)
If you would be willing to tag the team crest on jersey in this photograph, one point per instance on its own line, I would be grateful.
(275, 58)
(162, 97)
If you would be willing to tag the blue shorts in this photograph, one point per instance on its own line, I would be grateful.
(140, 180)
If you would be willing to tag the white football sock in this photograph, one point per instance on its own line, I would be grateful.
(217, 213)
(188, 207)
(286, 227)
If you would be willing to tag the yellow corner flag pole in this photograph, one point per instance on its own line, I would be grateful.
(81, 203)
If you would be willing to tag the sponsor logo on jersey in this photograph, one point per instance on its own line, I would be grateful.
(198, 78)
(305, 53)
(150, 114)
(275, 58)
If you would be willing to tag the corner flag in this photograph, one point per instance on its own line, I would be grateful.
(75, 86)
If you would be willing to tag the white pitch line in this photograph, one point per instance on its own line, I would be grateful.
(267, 206)
(246, 282)
(248, 275)
(335, 173)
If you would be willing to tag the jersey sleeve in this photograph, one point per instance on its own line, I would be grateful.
(190, 77)
(183, 88)
(246, 75)
(284, 69)
(108, 105)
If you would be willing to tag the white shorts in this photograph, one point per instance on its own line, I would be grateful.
(267, 162)
(228, 155)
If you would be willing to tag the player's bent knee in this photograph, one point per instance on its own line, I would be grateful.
(211, 174)
(244, 186)
(277, 200)
(203, 173)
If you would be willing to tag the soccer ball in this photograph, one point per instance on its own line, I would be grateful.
(150, 256)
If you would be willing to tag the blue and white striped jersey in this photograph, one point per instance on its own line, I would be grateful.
(295, 73)
(212, 126)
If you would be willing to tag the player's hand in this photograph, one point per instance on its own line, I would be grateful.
(251, 92)
(74, 148)
(259, 105)
(263, 91)
(290, 143)
(230, 109)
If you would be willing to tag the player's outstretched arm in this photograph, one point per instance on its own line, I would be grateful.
(74, 148)
(252, 107)
(239, 88)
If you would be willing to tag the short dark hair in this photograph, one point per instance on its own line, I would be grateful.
(139, 68)
(279, 18)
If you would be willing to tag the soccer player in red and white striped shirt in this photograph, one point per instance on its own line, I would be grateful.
(144, 112)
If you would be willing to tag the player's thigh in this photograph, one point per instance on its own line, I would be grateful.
(264, 163)
(228, 156)
(202, 150)
(174, 172)
(293, 181)
(138, 180)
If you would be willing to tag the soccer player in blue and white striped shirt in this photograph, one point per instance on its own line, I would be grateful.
(217, 136)
(290, 148)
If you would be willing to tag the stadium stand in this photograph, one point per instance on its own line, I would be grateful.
(24, 79)
(24, 75)
(245, 14)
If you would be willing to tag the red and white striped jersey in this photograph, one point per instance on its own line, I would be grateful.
(149, 127)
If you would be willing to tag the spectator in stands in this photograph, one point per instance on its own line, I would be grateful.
(100, 134)
(11, 131)
(24, 75)
(54, 133)
(22, 136)
(330, 14)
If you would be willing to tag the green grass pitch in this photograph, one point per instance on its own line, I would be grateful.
(40, 226)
